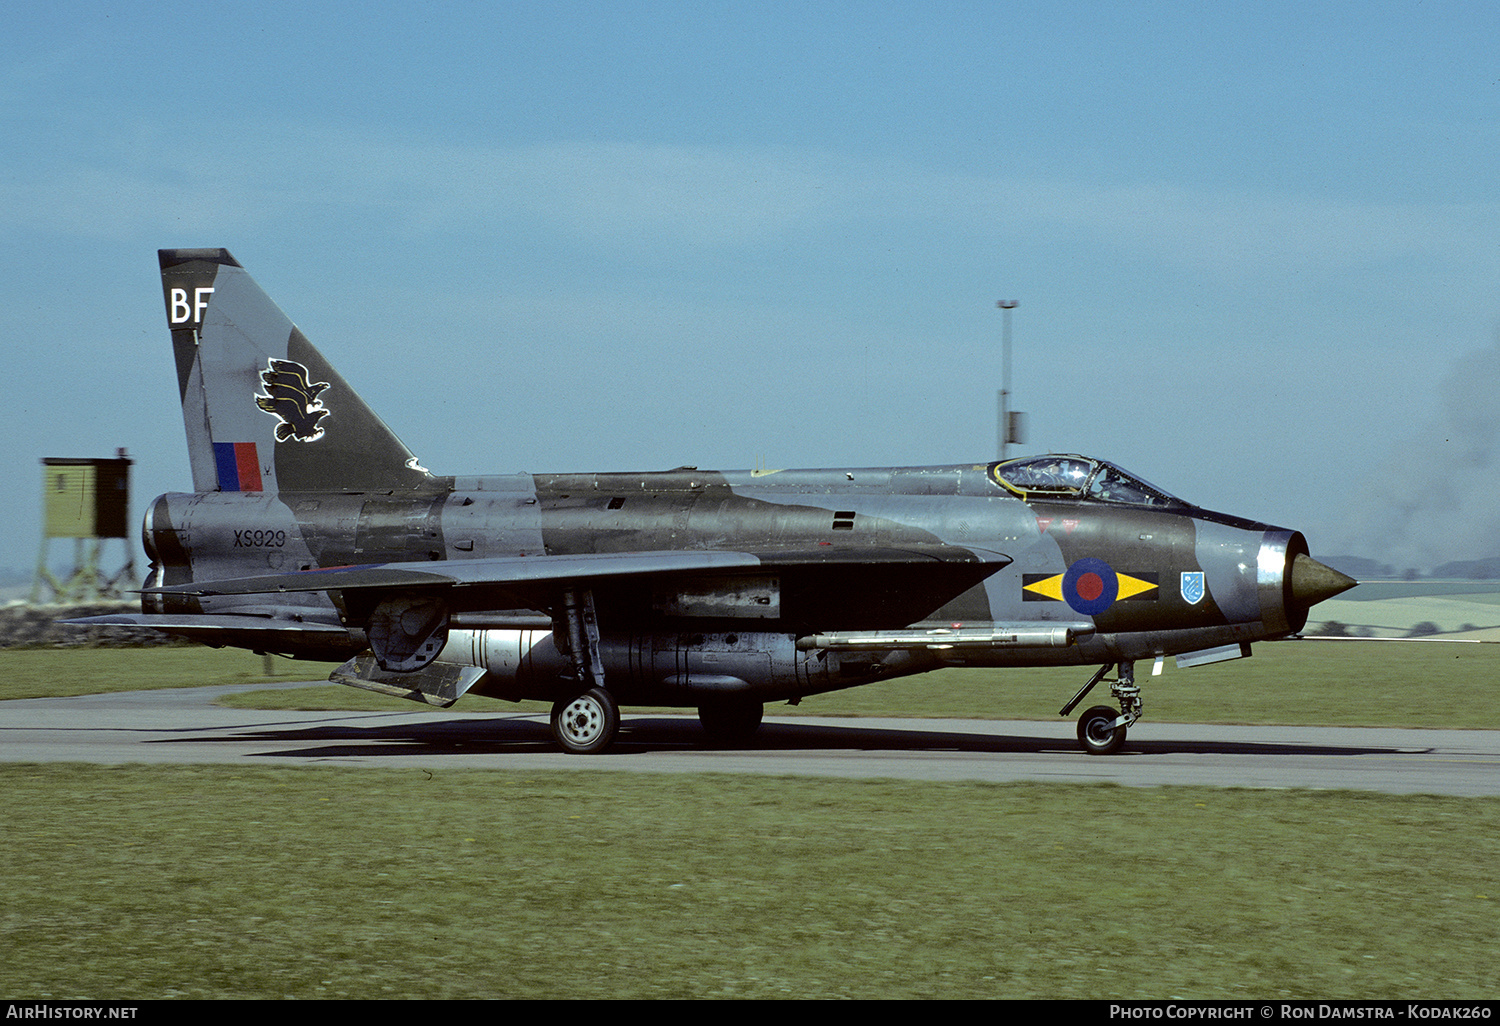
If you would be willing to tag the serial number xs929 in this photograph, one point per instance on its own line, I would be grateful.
(259, 539)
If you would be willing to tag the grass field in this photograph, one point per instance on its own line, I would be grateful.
(205, 882)
(1392, 608)
(60, 672)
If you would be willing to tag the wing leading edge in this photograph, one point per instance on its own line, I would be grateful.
(509, 571)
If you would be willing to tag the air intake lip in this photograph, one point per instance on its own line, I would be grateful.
(1292, 582)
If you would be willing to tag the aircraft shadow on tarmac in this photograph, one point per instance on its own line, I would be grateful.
(646, 734)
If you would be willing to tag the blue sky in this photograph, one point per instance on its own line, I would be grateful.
(1256, 251)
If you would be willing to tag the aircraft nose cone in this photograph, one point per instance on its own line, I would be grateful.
(1312, 582)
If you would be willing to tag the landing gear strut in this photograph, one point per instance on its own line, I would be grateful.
(588, 722)
(1101, 730)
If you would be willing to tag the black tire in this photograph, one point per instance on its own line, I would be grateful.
(730, 721)
(1097, 735)
(586, 724)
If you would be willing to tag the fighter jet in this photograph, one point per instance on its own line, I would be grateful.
(312, 532)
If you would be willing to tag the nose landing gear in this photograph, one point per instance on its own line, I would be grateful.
(1101, 730)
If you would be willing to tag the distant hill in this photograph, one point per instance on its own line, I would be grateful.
(1363, 569)
(1360, 568)
(1471, 569)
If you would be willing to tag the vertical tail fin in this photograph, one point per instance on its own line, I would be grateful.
(264, 411)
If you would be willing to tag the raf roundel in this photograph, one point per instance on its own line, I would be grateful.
(1090, 586)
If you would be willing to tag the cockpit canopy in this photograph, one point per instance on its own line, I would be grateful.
(1077, 477)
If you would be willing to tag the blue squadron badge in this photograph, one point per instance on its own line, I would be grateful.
(1192, 586)
(292, 399)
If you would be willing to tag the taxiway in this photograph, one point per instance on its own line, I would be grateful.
(185, 726)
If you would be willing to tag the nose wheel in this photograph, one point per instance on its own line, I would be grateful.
(1101, 730)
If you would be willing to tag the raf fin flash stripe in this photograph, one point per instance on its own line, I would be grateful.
(238, 465)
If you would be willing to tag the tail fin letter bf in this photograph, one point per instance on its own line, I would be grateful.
(264, 410)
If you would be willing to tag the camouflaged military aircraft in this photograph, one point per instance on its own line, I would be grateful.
(312, 532)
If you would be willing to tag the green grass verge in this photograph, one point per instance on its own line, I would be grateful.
(208, 882)
(61, 672)
(1309, 683)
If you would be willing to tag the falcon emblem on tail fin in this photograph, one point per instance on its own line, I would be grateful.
(292, 399)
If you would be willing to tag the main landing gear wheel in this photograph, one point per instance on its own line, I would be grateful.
(1097, 731)
(586, 724)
